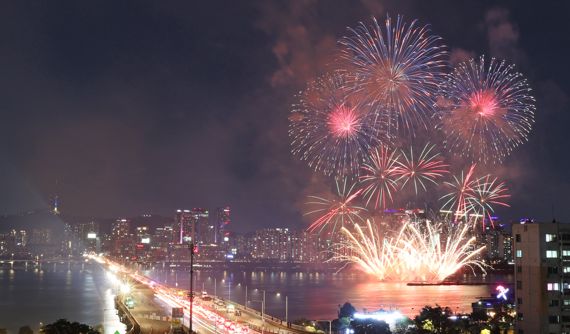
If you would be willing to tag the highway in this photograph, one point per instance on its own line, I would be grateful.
(208, 316)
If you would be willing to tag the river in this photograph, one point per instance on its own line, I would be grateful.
(30, 296)
(318, 295)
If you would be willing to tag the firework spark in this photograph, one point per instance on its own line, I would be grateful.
(420, 252)
(487, 193)
(417, 170)
(379, 177)
(396, 69)
(487, 110)
(337, 212)
(462, 187)
(331, 131)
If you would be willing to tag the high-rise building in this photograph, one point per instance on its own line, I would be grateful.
(20, 237)
(182, 226)
(222, 224)
(161, 240)
(122, 240)
(203, 230)
(542, 277)
(498, 244)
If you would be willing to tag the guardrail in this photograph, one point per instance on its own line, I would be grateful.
(126, 317)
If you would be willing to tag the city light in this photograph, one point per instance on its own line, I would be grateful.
(390, 317)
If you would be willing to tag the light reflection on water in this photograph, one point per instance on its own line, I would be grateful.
(33, 295)
(317, 295)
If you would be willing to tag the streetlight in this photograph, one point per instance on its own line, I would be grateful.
(287, 310)
(191, 294)
(262, 311)
(286, 307)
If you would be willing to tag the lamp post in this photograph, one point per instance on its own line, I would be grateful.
(263, 312)
(286, 309)
(191, 294)
(245, 304)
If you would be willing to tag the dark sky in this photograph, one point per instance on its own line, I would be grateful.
(128, 107)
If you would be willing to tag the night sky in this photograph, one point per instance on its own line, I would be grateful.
(131, 107)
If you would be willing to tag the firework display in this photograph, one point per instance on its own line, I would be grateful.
(418, 169)
(335, 213)
(487, 110)
(473, 199)
(420, 251)
(488, 191)
(331, 131)
(378, 118)
(379, 177)
(397, 68)
(456, 202)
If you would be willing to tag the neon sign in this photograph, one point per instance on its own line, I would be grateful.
(502, 292)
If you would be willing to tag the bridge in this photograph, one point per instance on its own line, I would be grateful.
(153, 302)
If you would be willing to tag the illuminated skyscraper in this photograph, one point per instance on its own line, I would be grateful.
(222, 224)
(122, 239)
(183, 229)
(202, 229)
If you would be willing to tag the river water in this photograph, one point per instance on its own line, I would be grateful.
(30, 296)
(318, 295)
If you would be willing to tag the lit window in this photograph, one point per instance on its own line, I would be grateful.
(519, 252)
(566, 270)
(553, 286)
(550, 237)
(566, 302)
(552, 254)
(566, 252)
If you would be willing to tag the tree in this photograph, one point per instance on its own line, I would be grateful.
(435, 320)
(25, 330)
(346, 311)
(62, 326)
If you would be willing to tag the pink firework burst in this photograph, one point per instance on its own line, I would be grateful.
(486, 110)
(344, 122)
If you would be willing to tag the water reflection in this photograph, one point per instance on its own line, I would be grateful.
(77, 292)
(317, 295)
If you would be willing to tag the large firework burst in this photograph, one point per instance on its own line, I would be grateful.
(422, 251)
(418, 169)
(396, 68)
(337, 212)
(487, 110)
(331, 131)
(379, 176)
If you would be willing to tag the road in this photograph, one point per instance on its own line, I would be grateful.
(154, 303)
